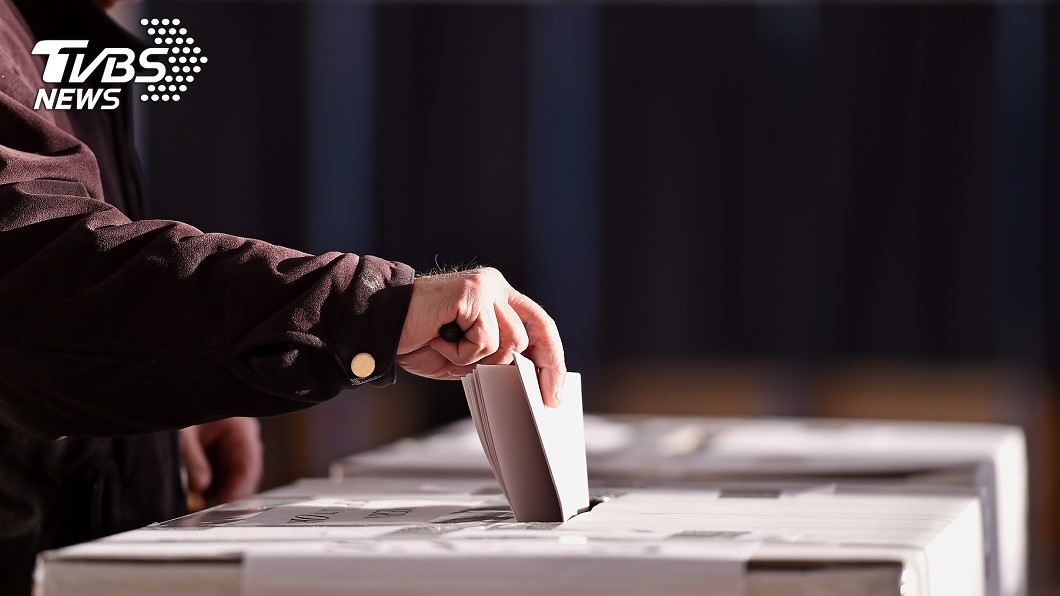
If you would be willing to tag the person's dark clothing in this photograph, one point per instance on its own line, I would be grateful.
(113, 327)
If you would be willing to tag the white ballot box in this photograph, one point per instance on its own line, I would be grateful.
(365, 537)
(887, 456)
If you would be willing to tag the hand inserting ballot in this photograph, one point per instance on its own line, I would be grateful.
(497, 323)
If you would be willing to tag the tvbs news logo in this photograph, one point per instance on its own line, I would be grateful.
(167, 69)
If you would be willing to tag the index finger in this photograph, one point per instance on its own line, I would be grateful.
(545, 349)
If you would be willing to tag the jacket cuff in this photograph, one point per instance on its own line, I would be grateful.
(367, 345)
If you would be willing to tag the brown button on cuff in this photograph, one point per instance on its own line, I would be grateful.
(362, 365)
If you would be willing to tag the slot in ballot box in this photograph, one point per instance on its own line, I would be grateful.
(889, 456)
(363, 537)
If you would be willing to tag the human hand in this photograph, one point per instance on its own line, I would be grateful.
(498, 322)
(224, 459)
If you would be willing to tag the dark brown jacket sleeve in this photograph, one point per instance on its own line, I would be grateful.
(110, 326)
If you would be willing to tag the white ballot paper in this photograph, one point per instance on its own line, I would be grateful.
(537, 453)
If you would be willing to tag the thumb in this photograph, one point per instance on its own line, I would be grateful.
(195, 462)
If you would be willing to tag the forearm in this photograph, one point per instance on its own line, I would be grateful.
(111, 326)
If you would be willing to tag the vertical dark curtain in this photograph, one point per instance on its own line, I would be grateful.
(792, 195)
(782, 181)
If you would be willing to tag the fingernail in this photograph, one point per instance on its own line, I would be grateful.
(556, 398)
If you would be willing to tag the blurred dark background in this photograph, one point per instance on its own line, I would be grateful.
(736, 208)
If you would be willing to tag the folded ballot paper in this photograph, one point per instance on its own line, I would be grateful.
(537, 453)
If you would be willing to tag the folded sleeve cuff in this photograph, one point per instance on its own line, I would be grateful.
(367, 342)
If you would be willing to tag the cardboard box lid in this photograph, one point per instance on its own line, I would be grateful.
(681, 540)
(989, 458)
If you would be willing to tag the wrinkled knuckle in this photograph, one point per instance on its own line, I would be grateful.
(487, 344)
(464, 360)
(469, 286)
(479, 286)
(511, 345)
(488, 277)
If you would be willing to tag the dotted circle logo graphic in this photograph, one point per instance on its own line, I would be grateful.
(184, 59)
